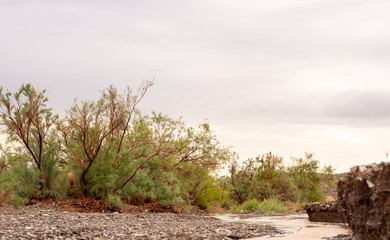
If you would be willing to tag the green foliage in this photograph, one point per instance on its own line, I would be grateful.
(272, 205)
(95, 137)
(242, 178)
(269, 166)
(304, 172)
(187, 209)
(212, 193)
(257, 178)
(280, 186)
(114, 150)
(27, 184)
(153, 183)
(114, 202)
(265, 178)
(115, 153)
(17, 201)
(249, 206)
(29, 126)
(5, 177)
(328, 176)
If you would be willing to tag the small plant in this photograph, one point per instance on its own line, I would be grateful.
(272, 205)
(247, 207)
(187, 209)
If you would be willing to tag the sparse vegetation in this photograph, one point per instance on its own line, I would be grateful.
(271, 205)
(265, 177)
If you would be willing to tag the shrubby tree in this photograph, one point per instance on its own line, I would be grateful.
(328, 176)
(94, 139)
(201, 155)
(256, 178)
(112, 152)
(29, 125)
(5, 161)
(272, 180)
(183, 158)
(148, 172)
(116, 153)
(242, 178)
(266, 177)
(305, 173)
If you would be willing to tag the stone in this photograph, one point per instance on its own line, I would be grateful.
(324, 212)
(33, 222)
(364, 201)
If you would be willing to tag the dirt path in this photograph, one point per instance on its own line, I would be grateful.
(35, 222)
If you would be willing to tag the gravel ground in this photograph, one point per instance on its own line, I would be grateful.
(342, 237)
(37, 222)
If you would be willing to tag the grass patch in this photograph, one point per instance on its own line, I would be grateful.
(272, 205)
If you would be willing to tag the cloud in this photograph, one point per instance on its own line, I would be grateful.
(272, 61)
(351, 107)
(371, 105)
(286, 76)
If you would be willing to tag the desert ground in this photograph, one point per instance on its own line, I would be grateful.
(50, 221)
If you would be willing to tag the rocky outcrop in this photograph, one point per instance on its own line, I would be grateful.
(324, 212)
(364, 201)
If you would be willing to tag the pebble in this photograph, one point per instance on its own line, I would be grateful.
(37, 222)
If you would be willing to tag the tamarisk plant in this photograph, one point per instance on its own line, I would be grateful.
(178, 162)
(94, 138)
(111, 151)
(5, 187)
(265, 177)
(29, 125)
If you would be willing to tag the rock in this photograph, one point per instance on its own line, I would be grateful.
(364, 201)
(324, 212)
(33, 222)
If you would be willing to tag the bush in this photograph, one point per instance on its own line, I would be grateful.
(30, 129)
(115, 153)
(272, 205)
(304, 172)
(211, 193)
(266, 177)
(247, 207)
(5, 178)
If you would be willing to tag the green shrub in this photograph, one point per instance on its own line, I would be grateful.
(265, 177)
(272, 205)
(210, 192)
(17, 201)
(114, 202)
(304, 171)
(26, 182)
(5, 178)
(247, 207)
(30, 129)
(187, 209)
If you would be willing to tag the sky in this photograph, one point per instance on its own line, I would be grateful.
(287, 76)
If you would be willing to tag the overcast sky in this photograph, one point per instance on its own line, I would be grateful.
(287, 76)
